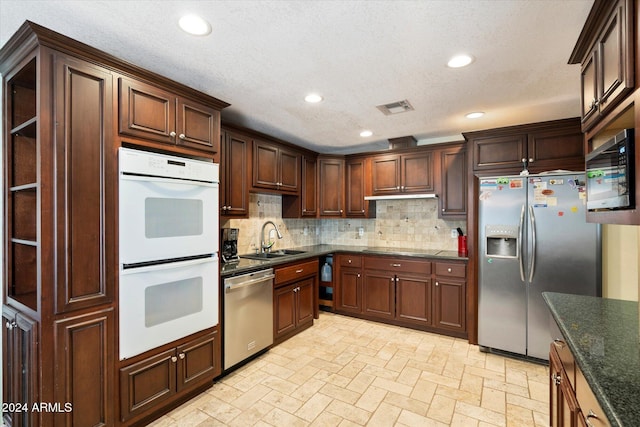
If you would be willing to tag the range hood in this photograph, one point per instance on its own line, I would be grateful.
(403, 196)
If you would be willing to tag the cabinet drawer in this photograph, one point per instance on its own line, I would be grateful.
(298, 271)
(568, 362)
(588, 403)
(402, 265)
(449, 269)
(350, 261)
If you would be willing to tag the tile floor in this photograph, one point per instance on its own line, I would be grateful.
(350, 372)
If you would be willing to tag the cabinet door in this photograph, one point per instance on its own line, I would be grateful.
(331, 187)
(588, 83)
(234, 194)
(146, 111)
(284, 311)
(289, 171)
(197, 126)
(379, 294)
(560, 148)
(85, 184)
(355, 179)
(453, 181)
(304, 301)
(413, 299)
(147, 383)
(265, 165)
(197, 362)
(499, 152)
(348, 290)
(385, 174)
(19, 368)
(449, 300)
(309, 196)
(416, 173)
(84, 349)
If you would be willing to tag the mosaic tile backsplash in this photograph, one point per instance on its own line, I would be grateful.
(398, 224)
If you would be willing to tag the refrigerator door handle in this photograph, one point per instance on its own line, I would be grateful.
(532, 218)
(519, 249)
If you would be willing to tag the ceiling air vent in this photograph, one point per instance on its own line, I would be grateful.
(395, 107)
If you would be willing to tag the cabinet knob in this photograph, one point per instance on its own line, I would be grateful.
(174, 359)
(530, 159)
(172, 134)
(9, 325)
(362, 210)
(442, 209)
(437, 284)
(449, 269)
(402, 187)
(182, 136)
(341, 211)
(590, 415)
(349, 261)
(181, 356)
(358, 275)
(557, 379)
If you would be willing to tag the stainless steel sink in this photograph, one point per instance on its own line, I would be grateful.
(274, 254)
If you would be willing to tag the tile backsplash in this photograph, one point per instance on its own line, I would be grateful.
(410, 223)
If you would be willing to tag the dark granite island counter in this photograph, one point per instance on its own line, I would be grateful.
(604, 338)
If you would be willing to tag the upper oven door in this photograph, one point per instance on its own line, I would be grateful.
(163, 219)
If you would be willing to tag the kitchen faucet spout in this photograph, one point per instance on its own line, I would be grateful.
(267, 246)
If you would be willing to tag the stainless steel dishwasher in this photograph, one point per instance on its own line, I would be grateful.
(248, 315)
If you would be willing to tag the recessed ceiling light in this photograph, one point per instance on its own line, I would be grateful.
(474, 115)
(313, 98)
(194, 25)
(460, 61)
(366, 133)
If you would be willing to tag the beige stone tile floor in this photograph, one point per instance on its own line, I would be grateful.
(351, 372)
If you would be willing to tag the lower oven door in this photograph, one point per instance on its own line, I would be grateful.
(166, 302)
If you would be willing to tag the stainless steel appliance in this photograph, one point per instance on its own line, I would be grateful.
(229, 239)
(610, 174)
(533, 237)
(168, 248)
(248, 315)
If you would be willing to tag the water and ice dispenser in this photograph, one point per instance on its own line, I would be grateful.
(502, 241)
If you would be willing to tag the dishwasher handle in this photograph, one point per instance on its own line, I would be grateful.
(254, 282)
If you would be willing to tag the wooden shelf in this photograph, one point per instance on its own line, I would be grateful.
(27, 128)
(325, 302)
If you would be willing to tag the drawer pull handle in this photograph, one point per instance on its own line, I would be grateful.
(396, 265)
(449, 269)
(591, 415)
(300, 270)
(559, 343)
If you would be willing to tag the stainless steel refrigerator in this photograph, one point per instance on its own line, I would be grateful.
(532, 237)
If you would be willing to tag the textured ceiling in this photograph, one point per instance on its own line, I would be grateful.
(263, 57)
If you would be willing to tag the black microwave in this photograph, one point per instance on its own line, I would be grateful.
(610, 174)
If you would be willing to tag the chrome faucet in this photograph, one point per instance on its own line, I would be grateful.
(267, 246)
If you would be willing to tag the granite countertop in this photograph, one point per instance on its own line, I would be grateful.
(604, 339)
(245, 265)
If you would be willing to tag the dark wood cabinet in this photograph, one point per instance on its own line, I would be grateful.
(357, 186)
(563, 407)
(452, 185)
(605, 51)
(402, 173)
(20, 383)
(348, 284)
(378, 293)
(331, 186)
(306, 205)
(541, 147)
(450, 296)
(275, 167)
(414, 298)
(234, 175)
(157, 380)
(150, 112)
(295, 299)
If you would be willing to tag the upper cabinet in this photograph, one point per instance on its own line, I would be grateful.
(540, 147)
(357, 185)
(451, 186)
(234, 176)
(402, 173)
(305, 205)
(275, 168)
(605, 51)
(152, 113)
(331, 189)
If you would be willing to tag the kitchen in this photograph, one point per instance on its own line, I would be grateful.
(430, 232)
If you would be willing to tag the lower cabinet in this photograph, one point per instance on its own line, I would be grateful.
(294, 299)
(19, 369)
(420, 293)
(571, 401)
(165, 377)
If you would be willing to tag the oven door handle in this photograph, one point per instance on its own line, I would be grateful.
(168, 265)
(159, 179)
(254, 282)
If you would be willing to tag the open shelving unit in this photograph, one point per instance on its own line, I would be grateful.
(22, 182)
(325, 297)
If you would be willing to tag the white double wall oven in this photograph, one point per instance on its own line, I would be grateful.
(168, 231)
